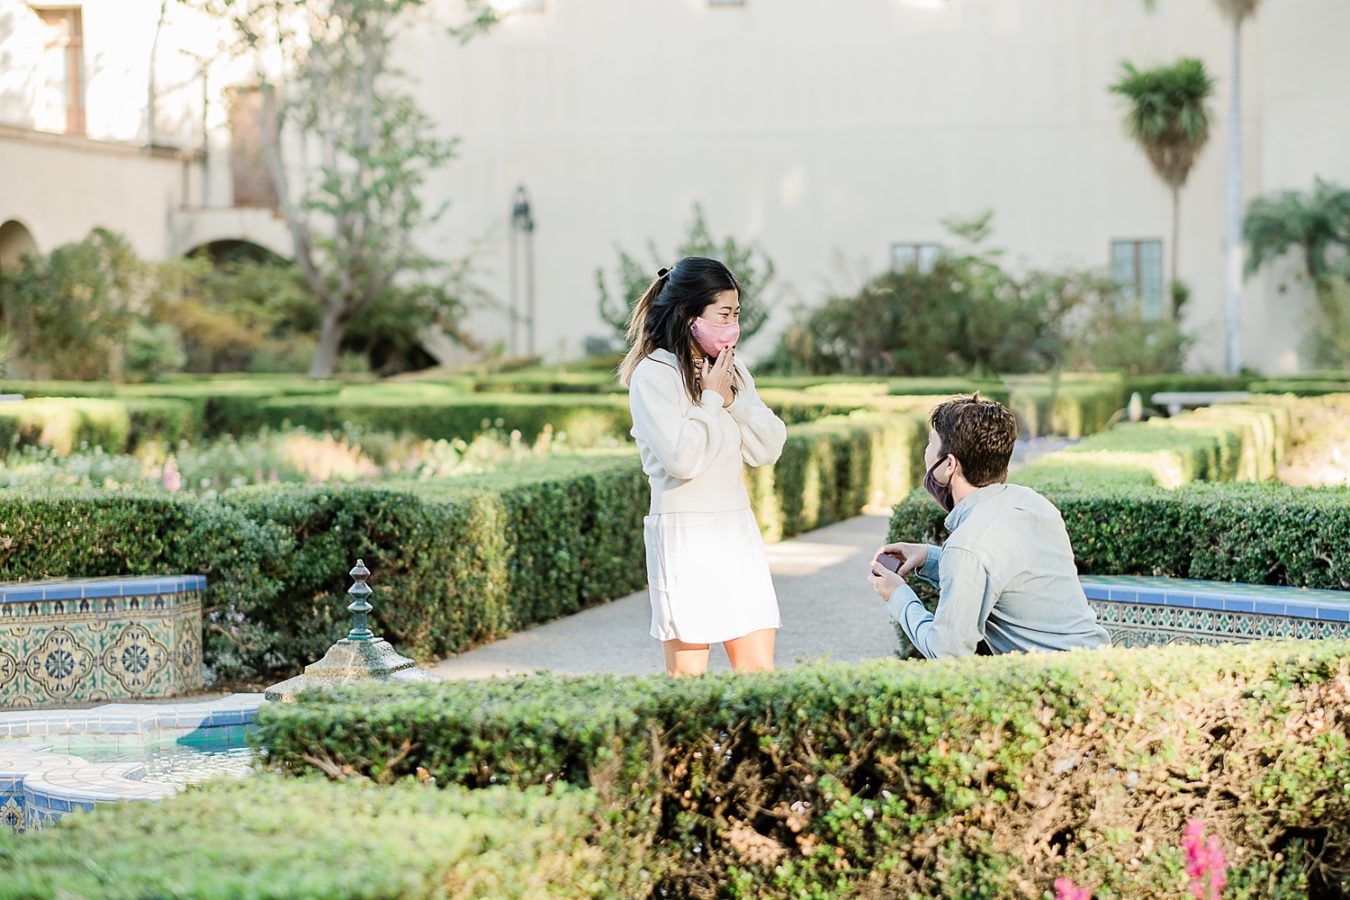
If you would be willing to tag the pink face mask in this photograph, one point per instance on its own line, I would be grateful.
(716, 338)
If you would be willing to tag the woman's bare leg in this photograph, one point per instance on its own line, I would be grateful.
(685, 659)
(753, 652)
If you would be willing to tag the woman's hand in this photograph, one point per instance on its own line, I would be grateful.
(913, 556)
(718, 376)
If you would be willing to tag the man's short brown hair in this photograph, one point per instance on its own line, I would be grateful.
(979, 433)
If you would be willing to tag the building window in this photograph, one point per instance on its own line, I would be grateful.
(920, 257)
(1138, 268)
(65, 59)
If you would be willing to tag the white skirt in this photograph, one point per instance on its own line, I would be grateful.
(708, 577)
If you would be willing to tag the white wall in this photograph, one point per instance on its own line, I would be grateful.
(60, 187)
(827, 132)
(1304, 130)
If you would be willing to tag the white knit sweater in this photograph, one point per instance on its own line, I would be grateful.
(692, 453)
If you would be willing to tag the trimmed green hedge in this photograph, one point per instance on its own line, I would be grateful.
(1307, 384)
(1180, 382)
(160, 419)
(974, 777)
(268, 837)
(589, 406)
(445, 415)
(1303, 387)
(63, 424)
(224, 403)
(58, 388)
(906, 386)
(549, 381)
(216, 405)
(436, 412)
(87, 533)
(456, 562)
(1239, 442)
(1078, 405)
(1254, 533)
(459, 562)
(831, 469)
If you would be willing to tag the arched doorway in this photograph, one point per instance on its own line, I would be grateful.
(229, 250)
(16, 242)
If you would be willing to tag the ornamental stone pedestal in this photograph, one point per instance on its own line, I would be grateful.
(360, 656)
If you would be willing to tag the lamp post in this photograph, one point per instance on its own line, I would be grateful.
(522, 231)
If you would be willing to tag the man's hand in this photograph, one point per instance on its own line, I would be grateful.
(883, 581)
(914, 556)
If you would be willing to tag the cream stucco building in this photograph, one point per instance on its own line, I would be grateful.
(836, 135)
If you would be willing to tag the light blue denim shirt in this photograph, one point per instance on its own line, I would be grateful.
(1006, 574)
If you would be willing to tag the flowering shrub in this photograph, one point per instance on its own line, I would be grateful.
(292, 456)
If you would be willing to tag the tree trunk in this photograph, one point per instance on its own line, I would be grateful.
(117, 361)
(331, 331)
(1233, 262)
(1170, 298)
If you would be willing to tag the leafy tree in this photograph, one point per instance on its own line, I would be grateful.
(347, 147)
(1316, 228)
(1316, 225)
(68, 313)
(752, 267)
(968, 315)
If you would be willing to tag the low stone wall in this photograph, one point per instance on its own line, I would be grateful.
(1143, 611)
(99, 639)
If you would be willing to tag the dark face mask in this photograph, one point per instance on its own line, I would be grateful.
(942, 493)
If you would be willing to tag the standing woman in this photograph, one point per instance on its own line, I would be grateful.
(696, 419)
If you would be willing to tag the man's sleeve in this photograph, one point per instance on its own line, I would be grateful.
(932, 566)
(956, 627)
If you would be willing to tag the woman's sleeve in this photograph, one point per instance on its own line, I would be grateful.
(685, 440)
(762, 432)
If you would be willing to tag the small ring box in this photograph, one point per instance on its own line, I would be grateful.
(889, 561)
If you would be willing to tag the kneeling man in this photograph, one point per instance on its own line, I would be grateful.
(1005, 576)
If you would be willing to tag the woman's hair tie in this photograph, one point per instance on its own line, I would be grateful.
(662, 272)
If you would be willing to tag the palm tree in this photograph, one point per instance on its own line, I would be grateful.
(1316, 227)
(1170, 121)
(1309, 224)
(1236, 11)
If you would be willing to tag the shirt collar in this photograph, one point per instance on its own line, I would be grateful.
(962, 510)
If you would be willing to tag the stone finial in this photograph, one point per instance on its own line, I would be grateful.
(360, 656)
(360, 607)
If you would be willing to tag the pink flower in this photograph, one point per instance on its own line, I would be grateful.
(1065, 889)
(173, 479)
(1205, 862)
